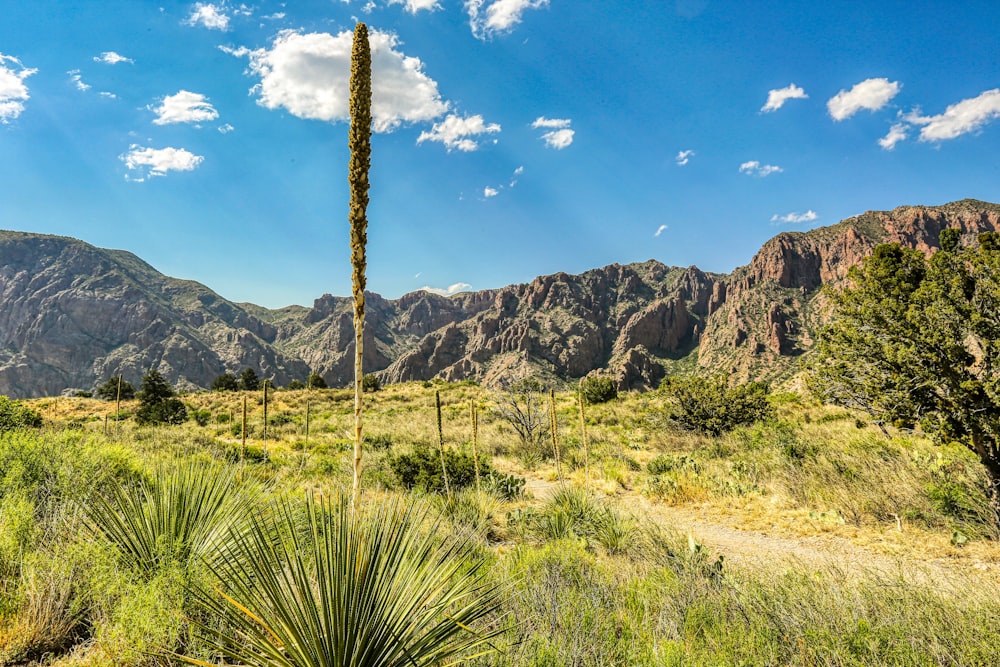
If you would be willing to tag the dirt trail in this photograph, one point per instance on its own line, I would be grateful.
(759, 549)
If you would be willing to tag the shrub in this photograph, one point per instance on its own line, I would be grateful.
(370, 383)
(14, 415)
(421, 469)
(108, 390)
(201, 417)
(316, 381)
(295, 385)
(249, 380)
(600, 389)
(708, 405)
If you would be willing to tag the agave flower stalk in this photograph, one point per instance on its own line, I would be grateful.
(359, 142)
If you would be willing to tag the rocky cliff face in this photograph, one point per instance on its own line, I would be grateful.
(72, 315)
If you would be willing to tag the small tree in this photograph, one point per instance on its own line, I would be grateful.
(249, 380)
(600, 389)
(371, 383)
(710, 405)
(158, 403)
(14, 415)
(522, 406)
(108, 390)
(294, 385)
(315, 381)
(226, 382)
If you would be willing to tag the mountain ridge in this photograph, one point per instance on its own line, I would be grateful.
(72, 314)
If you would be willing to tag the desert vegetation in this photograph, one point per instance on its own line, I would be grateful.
(131, 544)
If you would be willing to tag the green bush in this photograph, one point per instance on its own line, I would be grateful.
(158, 403)
(14, 415)
(421, 469)
(201, 417)
(109, 389)
(316, 381)
(600, 389)
(370, 383)
(225, 382)
(709, 405)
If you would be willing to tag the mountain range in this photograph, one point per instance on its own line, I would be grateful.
(73, 315)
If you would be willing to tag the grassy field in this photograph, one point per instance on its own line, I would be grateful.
(588, 566)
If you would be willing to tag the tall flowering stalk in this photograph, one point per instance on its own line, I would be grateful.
(359, 141)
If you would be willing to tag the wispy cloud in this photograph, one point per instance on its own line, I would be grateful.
(151, 162)
(414, 6)
(755, 168)
(683, 157)
(308, 75)
(448, 291)
(794, 217)
(960, 118)
(897, 133)
(660, 230)
(776, 98)
(457, 132)
(870, 94)
(498, 16)
(490, 192)
(184, 107)
(559, 135)
(13, 92)
(112, 58)
(208, 15)
(77, 79)
(226, 129)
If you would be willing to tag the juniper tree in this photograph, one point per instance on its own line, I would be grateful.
(359, 142)
(916, 341)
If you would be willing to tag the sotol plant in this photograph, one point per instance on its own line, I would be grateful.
(359, 141)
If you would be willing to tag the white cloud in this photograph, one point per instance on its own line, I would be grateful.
(277, 16)
(414, 6)
(560, 135)
(110, 96)
(211, 16)
(74, 75)
(517, 172)
(456, 132)
(683, 157)
(490, 192)
(112, 58)
(226, 129)
(449, 291)
(871, 94)
(776, 98)
(660, 230)
(542, 121)
(184, 107)
(158, 161)
(897, 133)
(13, 92)
(755, 168)
(959, 118)
(794, 217)
(308, 75)
(499, 16)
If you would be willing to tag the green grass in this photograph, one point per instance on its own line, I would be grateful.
(129, 546)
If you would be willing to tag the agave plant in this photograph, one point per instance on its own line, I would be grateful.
(373, 586)
(183, 514)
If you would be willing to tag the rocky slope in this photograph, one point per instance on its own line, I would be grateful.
(72, 314)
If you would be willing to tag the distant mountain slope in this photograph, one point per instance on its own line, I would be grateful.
(72, 314)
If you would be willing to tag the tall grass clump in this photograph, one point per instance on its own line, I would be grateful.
(355, 586)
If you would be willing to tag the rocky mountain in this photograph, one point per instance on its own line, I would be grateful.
(72, 315)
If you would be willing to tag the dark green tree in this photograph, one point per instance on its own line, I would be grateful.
(14, 415)
(158, 403)
(108, 390)
(225, 382)
(712, 406)
(915, 341)
(249, 380)
(598, 389)
(294, 385)
(315, 381)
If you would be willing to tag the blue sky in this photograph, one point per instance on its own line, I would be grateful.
(514, 137)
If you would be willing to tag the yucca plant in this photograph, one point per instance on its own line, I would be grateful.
(358, 586)
(184, 513)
